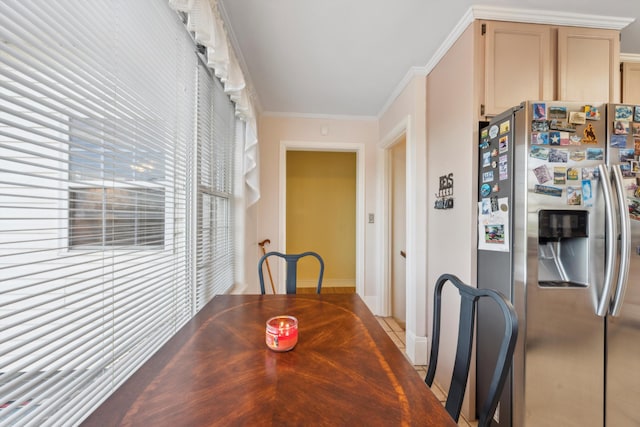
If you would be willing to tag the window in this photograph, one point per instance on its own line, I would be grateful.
(215, 146)
(130, 213)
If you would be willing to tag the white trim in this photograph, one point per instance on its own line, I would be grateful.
(630, 57)
(551, 17)
(318, 116)
(383, 286)
(417, 347)
(413, 72)
(360, 193)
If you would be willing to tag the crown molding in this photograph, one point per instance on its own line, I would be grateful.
(314, 116)
(630, 57)
(551, 17)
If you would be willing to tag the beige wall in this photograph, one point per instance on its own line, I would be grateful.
(277, 131)
(321, 214)
(407, 114)
(452, 148)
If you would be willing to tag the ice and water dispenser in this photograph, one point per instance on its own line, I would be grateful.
(563, 248)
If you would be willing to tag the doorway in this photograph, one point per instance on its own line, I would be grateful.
(358, 150)
(398, 215)
(321, 216)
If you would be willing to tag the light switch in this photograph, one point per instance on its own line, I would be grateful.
(371, 218)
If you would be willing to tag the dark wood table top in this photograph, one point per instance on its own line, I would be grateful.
(217, 371)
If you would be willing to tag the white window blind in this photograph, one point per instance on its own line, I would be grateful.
(215, 148)
(97, 134)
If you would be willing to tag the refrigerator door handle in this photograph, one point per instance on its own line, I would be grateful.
(625, 242)
(610, 243)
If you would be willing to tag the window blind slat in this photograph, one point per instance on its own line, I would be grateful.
(104, 130)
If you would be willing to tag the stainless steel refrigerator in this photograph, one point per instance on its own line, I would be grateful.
(559, 234)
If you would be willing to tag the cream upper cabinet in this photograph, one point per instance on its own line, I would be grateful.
(519, 64)
(546, 62)
(588, 64)
(631, 83)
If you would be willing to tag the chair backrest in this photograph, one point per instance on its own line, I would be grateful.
(292, 269)
(469, 297)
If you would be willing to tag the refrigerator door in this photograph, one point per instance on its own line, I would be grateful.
(559, 377)
(623, 329)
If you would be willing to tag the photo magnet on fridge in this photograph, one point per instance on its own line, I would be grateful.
(547, 190)
(539, 111)
(595, 154)
(542, 174)
(623, 112)
(587, 196)
(636, 114)
(618, 141)
(574, 196)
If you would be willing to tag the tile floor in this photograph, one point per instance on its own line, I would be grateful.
(397, 335)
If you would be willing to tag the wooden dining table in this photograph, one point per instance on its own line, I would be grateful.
(217, 371)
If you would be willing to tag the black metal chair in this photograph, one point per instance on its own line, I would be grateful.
(292, 269)
(469, 297)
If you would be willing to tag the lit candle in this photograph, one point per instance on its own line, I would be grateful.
(282, 333)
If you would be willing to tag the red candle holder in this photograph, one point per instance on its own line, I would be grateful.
(282, 333)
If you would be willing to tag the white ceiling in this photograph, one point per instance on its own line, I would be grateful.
(348, 57)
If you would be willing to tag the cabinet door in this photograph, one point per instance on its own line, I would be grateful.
(518, 65)
(588, 64)
(631, 83)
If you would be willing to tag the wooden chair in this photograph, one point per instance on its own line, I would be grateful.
(469, 297)
(292, 269)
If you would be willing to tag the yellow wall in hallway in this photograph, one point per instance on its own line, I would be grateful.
(321, 214)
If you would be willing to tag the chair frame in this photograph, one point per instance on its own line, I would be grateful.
(469, 297)
(292, 269)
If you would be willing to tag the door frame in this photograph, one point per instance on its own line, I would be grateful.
(384, 224)
(360, 192)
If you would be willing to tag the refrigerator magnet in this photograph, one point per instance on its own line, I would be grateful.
(587, 195)
(557, 112)
(487, 176)
(623, 112)
(621, 127)
(539, 152)
(627, 154)
(539, 111)
(542, 174)
(574, 196)
(494, 203)
(554, 138)
(486, 159)
(539, 126)
(591, 112)
(595, 154)
(493, 131)
(559, 175)
(636, 130)
(485, 190)
(540, 138)
(505, 126)
(577, 156)
(503, 144)
(589, 135)
(547, 190)
(636, 114)
(503, 170)
(636, 145)
(558, 155)
(495, 188)
(577, 117)
(618, 141)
